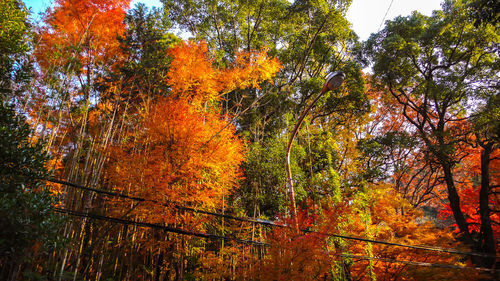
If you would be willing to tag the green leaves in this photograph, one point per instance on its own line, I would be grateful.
(14, 44)
(26, 215)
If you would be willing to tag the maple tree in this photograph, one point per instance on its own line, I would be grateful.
(185, 152)
(76, 45)
(390, 151)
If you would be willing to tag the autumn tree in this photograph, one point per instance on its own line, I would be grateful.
(434, 67)
(176, 159)
(81, 36)
(382, 214)
(78, 42)
(186, 153)
(392, 153)
(196, 89)
(309, 39)
(167, 140)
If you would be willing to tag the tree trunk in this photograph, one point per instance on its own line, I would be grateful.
(454, 199)
(487, 239)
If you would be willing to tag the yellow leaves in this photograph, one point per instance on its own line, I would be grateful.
(251, 69)
(191, 74)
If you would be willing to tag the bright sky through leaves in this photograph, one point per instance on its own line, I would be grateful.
(365, 15)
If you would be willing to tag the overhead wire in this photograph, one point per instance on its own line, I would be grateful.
(273, 223)
(165, 203)
(253, 220)
(417, 247)
(156, 226)
(253, 242)
(385, 15)
(416, 263)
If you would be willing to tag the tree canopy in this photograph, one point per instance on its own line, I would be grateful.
(152, 143)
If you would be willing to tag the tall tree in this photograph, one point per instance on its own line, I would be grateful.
(309, 38)
(14, 47)
(202, 161)
(435, 67)
(29, 225)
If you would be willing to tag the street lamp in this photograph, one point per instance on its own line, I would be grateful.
(332, 81)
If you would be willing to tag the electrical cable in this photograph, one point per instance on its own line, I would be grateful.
(157, 226)
(385, 15)
(166, 204)
(418, 247)
(416, 263)
(272, 223)
(251, 242)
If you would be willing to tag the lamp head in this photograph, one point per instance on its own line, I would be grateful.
(333, 80)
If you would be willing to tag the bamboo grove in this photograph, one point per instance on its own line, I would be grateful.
(149, 143)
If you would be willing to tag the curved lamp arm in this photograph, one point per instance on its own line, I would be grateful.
(333, 80)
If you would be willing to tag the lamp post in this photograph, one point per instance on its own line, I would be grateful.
(333, 80)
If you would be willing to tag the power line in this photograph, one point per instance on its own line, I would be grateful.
(251, 242)
(272, 223)
(418, 247)
(416, 263)
(167, 204)
(386, 12)
(157, 226)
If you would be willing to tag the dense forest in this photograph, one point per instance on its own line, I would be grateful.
(143, 143)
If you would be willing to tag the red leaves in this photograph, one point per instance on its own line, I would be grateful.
(469, 185)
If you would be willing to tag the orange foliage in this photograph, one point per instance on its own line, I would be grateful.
(175, 160)
(378, 214)
(386, 113)
(232, 262)
(85, 30)
(186, 153)
(191, 74)
(393, 219)
(250, 69)
(193, 77)
(293, 256)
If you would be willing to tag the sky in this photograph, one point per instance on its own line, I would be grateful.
(366, 16)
